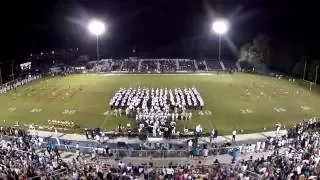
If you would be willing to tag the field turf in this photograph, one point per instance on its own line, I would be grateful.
(239, 101)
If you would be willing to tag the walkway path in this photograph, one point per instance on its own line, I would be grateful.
(225, 158)
(240, 138)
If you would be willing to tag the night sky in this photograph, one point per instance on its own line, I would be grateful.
(166, 28)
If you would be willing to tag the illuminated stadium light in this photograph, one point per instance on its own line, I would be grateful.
(220, 26)
(96, 27)
(52, 52)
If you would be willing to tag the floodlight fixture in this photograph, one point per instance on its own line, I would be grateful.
(96, 27)
(220, 26)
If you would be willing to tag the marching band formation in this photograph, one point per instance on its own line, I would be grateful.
(156, 110)
(14, 84)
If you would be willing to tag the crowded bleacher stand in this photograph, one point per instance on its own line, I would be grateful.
(149, 65)
(159, 65)
(186, 65)
(130, 65)
(168, 65)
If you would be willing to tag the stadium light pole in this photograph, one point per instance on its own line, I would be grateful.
(305, 69)
(12, 71)
(0, 77)
(316, 78)
(220, 27)
(97, 28)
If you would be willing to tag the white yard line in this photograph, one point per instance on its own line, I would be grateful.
(128, 74)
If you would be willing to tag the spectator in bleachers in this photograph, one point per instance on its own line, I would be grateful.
(101, 66)
(201, 65)
(213, 65)
(116, 64)
(186, 65)
(168, 65)
(129, 65)
(148, 65)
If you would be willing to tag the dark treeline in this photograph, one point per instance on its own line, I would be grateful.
(280, 56)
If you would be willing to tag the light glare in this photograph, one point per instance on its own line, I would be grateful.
(220, 26)
(96, 27)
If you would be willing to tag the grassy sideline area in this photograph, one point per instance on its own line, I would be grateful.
(239, 101)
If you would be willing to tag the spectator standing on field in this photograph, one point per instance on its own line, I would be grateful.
(234, 133)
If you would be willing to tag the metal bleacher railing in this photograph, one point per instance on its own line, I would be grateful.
(157, 153)
(129, 152)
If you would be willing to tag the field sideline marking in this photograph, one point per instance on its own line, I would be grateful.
(305, 108)
(69, 112)
(196, 74)
(11, 109)
(279, 110)
(246, 111)
(36, 110)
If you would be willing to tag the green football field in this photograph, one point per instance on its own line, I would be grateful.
(238, 101)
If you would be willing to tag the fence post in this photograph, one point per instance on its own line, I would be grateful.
(117, 154)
